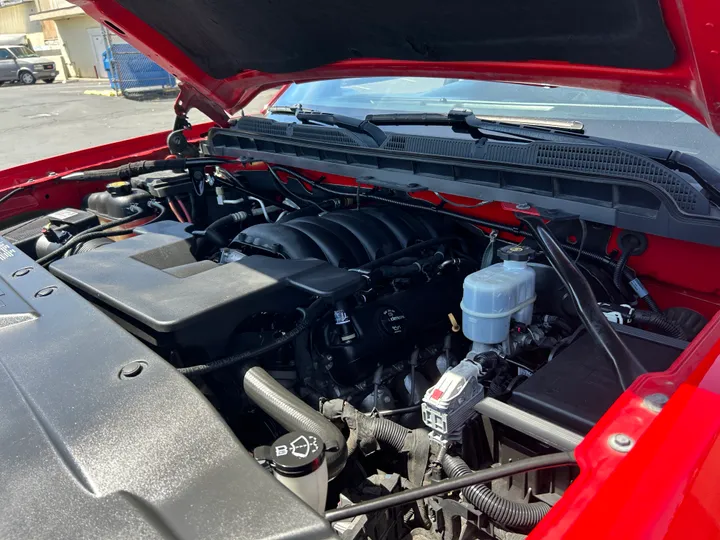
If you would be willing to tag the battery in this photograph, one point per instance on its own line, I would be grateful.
(25, 235)
(579, 384)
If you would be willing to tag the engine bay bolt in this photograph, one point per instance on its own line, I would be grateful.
(22, 272)
(620, 442)
(655, 402)
(133, 369)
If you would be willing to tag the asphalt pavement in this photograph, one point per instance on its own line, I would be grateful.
(44, 120)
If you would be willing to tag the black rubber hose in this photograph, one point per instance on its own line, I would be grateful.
(384, 430)
(367, 427)
(212, 232)
(293, 414)
(136, 168)
(548, 461)
(508, 514)
(660, 323)
(625, 364)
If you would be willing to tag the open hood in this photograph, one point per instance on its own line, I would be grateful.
(226, 51)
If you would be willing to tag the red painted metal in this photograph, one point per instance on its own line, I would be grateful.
(679, 273)
(691, 84)
(274, 99)
(666, 486)
(49, 192)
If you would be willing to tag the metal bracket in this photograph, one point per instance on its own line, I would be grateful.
(179, 145)
(190, 98)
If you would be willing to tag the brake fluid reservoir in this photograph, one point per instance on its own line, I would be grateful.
(496, 294)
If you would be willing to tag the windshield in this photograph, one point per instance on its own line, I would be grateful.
(23, 52)
(605, 114)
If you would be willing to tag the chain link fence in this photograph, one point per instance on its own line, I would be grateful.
(131, 73)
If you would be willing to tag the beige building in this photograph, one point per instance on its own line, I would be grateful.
(78, 37)
(15, 19)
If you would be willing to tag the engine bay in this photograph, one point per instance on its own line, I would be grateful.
(364, 342)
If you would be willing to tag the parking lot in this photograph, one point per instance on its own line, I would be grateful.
(43, 120)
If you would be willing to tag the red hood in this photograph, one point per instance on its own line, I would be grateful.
(226, 52)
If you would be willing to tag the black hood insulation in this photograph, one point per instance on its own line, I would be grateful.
(224, 37)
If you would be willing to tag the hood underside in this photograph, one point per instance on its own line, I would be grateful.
(229, 50)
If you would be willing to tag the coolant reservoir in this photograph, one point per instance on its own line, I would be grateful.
(496, 294)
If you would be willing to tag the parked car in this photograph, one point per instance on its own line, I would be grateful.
(18, 63)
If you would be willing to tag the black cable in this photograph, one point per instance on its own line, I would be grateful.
(651, 303)
(235, 184)
(564, 342)
(618, 272)
(50, 257)
(289, 193)
(303, 325)
(460, 205)
(13, 192)
(432, 208)
(623, 361)
(387, 259)
(583, 226)
(402, 410)
(83, 236)
(578, 250)
(99, 231)
(547, 461)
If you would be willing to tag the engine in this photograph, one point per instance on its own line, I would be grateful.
(365, 349)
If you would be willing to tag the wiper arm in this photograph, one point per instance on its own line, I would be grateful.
(461, 120)
(356, 125)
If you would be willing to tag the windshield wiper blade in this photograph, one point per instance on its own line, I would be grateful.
(572, 126)
(460, 120)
